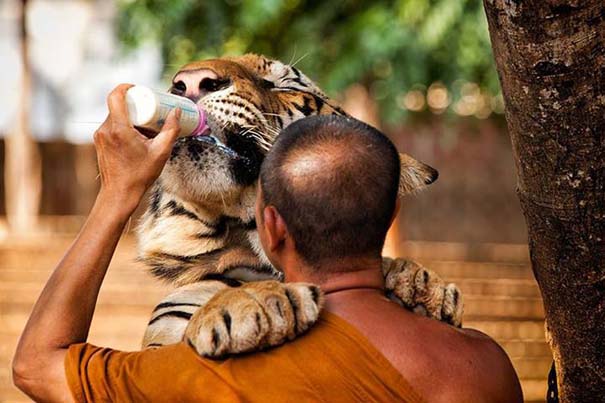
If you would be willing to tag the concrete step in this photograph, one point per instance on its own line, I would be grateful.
(146, 293)
(115, 273)
(534, 390)
(143, 285)
(48, 253)
(532, 368)
(525, 348)
(483, 252)
(497, 287)
(9, 393)
(507, 330)
(479, 270)
(494, 307)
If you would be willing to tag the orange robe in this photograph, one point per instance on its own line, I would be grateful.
(333, 362)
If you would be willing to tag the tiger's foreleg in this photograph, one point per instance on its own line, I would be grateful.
(171, 316)
(218, 319)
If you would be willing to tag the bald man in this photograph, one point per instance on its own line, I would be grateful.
(329, 194)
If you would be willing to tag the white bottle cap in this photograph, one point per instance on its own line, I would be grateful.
(142, 105)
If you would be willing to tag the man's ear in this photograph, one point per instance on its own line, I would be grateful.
(275, 228)
(415, 175)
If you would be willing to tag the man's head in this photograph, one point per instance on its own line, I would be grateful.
(328, 192)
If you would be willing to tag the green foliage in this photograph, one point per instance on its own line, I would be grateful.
(389, 46)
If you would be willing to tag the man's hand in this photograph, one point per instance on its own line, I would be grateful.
(128, 161)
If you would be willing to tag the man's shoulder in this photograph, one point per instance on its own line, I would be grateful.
(489, 368)
(452, 364)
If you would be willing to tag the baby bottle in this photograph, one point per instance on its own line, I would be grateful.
(148, 109)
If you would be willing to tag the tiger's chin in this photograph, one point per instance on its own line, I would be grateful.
(198, 172)
(213, 169)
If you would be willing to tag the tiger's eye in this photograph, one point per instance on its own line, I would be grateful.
(211, 85)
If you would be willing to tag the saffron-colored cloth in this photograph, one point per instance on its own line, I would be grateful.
(333, 362)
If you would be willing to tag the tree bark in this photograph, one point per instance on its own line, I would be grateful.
(550, 56)
(22, 158)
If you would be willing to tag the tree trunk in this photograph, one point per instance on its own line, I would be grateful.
(22, 166)
(359, 103)
(550, 56)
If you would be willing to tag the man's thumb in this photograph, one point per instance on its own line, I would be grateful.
(170, 131)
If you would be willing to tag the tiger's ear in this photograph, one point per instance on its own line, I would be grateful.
(415, 175)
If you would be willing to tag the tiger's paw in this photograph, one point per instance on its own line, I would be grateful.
(252, 317)
(422, 291)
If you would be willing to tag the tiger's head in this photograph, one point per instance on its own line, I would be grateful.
(248, 100)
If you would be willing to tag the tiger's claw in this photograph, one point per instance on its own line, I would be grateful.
(422, 291)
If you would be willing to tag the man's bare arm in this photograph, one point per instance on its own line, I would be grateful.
(128, 164)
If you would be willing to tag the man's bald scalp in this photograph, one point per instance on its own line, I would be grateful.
(316, 164)
(334, 180)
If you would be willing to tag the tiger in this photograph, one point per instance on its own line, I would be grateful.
(199, 233)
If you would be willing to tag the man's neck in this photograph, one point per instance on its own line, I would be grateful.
(341, 277)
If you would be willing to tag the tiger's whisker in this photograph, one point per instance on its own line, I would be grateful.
(299, 59)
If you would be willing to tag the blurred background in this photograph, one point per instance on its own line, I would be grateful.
(421, 70)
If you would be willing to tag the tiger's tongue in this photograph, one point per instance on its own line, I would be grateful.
(202, 128)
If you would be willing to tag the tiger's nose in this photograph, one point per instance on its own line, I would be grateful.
(193, 84)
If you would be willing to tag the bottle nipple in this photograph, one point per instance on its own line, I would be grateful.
(202, 125)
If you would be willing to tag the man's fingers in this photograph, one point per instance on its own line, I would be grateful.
(163, 142)
(116, 102)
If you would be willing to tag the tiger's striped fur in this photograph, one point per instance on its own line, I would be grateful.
(199, 225)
